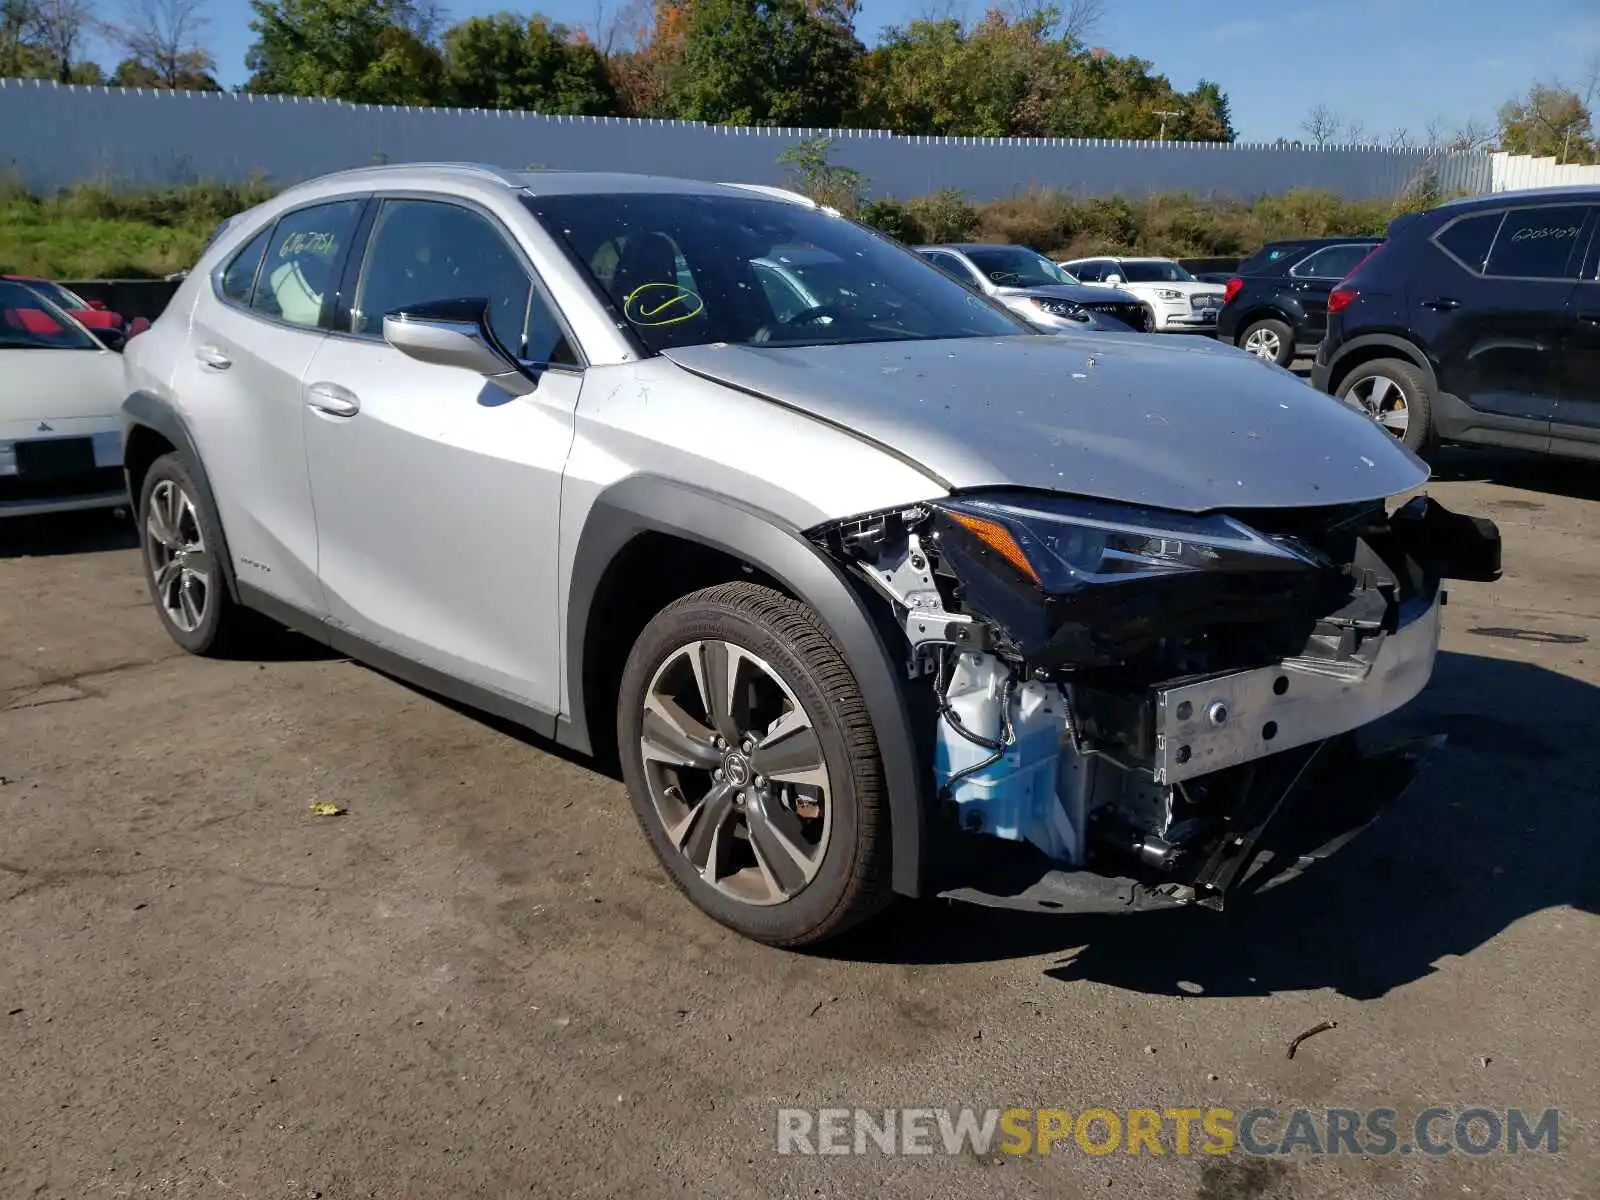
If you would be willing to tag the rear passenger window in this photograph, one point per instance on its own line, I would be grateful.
(1332, 262)
(303, 261)
(1088, 272)
(1537, 243)
(241, 273)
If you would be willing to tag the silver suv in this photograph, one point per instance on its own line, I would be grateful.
(872, 587)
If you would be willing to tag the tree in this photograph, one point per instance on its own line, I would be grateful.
(1550, 121)
(361, 50)
(837, 187)
(766, 62)
(21, 54)
(1025, 76)
(643, 74)
(1321, 125)
(61, 28)
(162, 41)
(506, 62)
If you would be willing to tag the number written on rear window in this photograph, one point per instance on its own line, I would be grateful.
(303, 261)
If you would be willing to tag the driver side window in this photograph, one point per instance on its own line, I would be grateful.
(425, 250)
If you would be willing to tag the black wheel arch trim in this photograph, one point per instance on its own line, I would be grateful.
(158, 415)
(1404, 346)
(645, 504)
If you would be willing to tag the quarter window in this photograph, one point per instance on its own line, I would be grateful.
(303, 261)
(1469, 239)
(1538, 243)
(1331, 262)
(423, 251)
(240, 276)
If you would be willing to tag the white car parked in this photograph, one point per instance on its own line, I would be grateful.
(1181, 303)
(61, 394)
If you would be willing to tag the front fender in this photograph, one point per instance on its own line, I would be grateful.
(649, 504)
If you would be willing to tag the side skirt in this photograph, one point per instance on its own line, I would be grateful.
(398, 666)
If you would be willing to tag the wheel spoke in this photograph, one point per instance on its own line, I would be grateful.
(1381, 386)
(670, 735)
(186, 605)
(1396, 420)
(790, 752)
(156, 527)
(780, 847)
(702, 836)
(168, 574)
(716, 674)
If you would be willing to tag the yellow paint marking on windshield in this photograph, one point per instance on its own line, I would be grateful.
(646, 304)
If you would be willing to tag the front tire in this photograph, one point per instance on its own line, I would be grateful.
(1396, 395)
(180, 542)
(1269, 340)
(753, 766)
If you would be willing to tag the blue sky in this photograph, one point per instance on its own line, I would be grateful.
(1384, 63)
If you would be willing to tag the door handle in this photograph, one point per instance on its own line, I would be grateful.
(1442, 304)
(334, 400)
(211, 357)
(1590, 317)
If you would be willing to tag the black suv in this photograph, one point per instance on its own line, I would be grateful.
(1276, 304)
(1478, 321)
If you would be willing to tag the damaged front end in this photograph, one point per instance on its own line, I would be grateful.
(1130, 707)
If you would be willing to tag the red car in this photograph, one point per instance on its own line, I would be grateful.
(91, 314)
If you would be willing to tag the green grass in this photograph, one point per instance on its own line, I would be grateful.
(93, 231)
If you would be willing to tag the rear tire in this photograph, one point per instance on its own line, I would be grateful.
(1270, 340)
(1396, 394)
(180, 542)
(780, 830)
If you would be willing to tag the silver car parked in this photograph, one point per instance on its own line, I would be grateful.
(872, 587)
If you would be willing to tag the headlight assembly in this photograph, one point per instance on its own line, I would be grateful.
(1059, 308)
(1061, 544)
(1169, 294)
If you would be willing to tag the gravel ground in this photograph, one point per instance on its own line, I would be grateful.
(478, 983)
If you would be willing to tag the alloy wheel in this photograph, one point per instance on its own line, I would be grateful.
(179, 562)
(1385, 401)
(735, 772)
(1264, 343)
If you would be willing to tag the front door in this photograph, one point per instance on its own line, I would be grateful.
(1577, 416)
(1310, 282)
(437, 494)
(249, 346)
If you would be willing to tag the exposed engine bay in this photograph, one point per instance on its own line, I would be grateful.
(1139, 694)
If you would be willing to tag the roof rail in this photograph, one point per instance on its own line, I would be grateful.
(482, 170)
(767, 189)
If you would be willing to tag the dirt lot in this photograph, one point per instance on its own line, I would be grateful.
(477, 983)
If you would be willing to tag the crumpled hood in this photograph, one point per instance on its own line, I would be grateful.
(1138, 420)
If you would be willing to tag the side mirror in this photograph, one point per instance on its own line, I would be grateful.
(1113, 279)
(454, 333)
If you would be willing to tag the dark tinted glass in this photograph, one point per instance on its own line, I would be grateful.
(1469, 239)
(1537, 243)
(421, 252)
(241, 273)
(303, 261)
(1270, 258)
(681, 269)
(1332, 262)
(1089, 272)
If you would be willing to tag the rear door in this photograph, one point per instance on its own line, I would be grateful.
(1311, 279)
(1577, 414)
(1492, 307)
(253, 333)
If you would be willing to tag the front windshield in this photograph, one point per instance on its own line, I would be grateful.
(1155, 272)
(30, 322)
(58, 295)
(1017, 266)
(686, 269)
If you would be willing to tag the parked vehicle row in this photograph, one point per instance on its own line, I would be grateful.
(872, 587)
